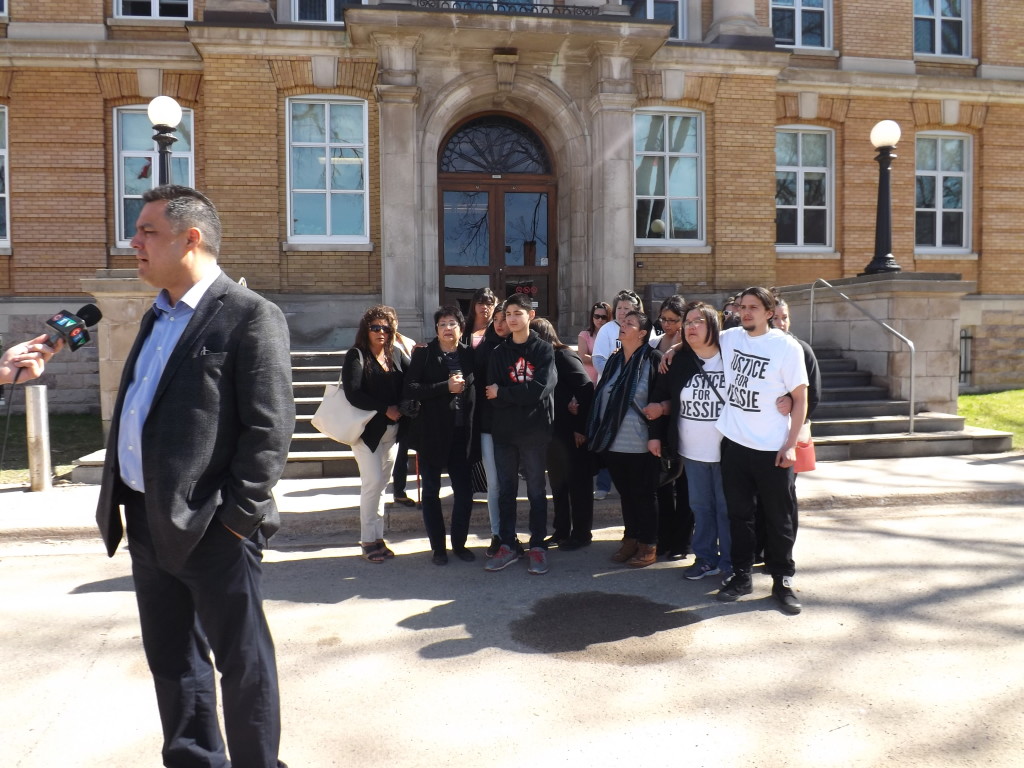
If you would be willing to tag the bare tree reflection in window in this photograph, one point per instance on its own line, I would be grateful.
(496, 145)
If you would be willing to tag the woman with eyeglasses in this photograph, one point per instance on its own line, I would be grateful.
(373, 376)
(692, 395)
(675, 520)
(441, 379)
(600, 313)
(619, 430)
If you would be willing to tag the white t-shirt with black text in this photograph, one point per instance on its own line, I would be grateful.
(758, 370)
(699, 410)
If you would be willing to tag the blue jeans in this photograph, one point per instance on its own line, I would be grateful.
(531, 455)
(604, 480)
(711, 515)
(487, 456)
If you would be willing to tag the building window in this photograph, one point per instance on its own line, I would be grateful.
(668, 177)
(3, 7)
(670, 11)
(137, 163)
(802, 23)
(327, 171)
(940, 27)
(5, 211)
(327, 11)
(155, 9)
(943, 182)
(803, 187)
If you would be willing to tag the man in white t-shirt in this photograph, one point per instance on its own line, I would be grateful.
(759, 444)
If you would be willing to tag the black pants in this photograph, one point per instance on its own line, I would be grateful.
(569, 473)
(459, 472)
(214, 603)
(749, 475)
(400, 473)
(636, 479)
(675, 518)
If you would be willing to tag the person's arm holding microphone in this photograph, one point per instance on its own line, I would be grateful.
(27, 360)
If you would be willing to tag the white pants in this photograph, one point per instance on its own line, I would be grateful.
(374, 472)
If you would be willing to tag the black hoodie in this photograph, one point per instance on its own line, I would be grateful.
(525, 374)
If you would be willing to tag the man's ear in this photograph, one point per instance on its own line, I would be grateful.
(194, 239)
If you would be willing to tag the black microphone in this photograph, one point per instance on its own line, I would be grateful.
(73, 329)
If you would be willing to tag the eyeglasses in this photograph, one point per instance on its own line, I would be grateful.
(379, 329)
(670, 321)
(449, 324)
(694, 323)
(729, 313)
(599, 317)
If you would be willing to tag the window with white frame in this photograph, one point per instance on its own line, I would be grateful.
(327, 170)
(3, 7)
(154, 9)
(940, 27)
(5, 209)
(326, 11)
(943, 183)
(803, 187)
(671, 11)
(668, 177)
(802, 23)
(137, 163)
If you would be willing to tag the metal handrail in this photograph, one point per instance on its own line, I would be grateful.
(889, 328)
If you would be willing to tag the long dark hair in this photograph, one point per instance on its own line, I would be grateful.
(482, 296)
(547, 331)
(382, 315)
(710, 316)
(602, 305)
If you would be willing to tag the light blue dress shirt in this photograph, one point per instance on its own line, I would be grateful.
(168, 327)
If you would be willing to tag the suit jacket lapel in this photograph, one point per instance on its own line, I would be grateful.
(208, 308)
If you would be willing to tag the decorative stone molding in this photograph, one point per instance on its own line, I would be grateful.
(397, 56)
(734, 25)
(948, 113)
(505, 70)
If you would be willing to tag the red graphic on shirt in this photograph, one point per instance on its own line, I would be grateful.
(521, 371)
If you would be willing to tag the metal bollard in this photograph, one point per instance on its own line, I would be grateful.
(37, 430)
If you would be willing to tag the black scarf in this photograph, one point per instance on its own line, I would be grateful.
(605, 421)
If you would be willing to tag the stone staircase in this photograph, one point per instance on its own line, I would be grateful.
(857, 420)
(854, 420)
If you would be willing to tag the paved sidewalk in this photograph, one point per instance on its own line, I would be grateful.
(328, 507)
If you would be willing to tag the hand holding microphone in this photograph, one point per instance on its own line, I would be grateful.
(28, 359)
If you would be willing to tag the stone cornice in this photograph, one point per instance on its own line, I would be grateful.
(882, 85)
(102, 54)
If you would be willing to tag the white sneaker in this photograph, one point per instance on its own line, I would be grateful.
(600, 495)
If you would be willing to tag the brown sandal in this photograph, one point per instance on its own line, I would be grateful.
(373, 552)
(382, 545)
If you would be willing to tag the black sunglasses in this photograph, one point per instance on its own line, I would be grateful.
(380, 329)
(599, 317)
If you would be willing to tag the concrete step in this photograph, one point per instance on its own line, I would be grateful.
(304, 357)
(889, 424)
(854, 393)
(831, 380)
(310, 373)
(856, 409)
(970, 440)
(836, 365)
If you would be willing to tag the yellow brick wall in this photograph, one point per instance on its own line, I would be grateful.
(875, 28)
(998, 33)
(80, 11)
(999, 158)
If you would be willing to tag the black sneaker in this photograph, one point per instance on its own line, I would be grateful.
(740, 584)
(492, 550)
(782, 590)
(571, 544)
(520, 549)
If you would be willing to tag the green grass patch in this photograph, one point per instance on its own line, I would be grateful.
(72, 436)
(998, 410)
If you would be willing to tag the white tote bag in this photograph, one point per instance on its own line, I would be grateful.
(338, 418)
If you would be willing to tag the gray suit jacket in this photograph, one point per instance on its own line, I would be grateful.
(216, 438)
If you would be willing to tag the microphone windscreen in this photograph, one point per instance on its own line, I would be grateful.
(90, 314)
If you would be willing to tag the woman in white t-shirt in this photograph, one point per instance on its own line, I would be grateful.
(693, 393)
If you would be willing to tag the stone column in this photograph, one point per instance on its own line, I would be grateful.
(123, 299)
(611, 110)
(402, 271)
(734, 25)
(923, 307)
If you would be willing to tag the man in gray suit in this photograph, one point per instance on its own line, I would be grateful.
(198, 438)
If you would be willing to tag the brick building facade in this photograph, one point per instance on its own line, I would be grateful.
(566, 149)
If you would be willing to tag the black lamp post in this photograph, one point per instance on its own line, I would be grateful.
(884, 137)
(165, 114)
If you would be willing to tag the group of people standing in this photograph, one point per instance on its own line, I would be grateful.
(499, 393)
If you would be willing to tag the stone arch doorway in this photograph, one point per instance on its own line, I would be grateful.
(497, 199)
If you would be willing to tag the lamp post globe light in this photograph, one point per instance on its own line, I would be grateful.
(884, 137)
(165, 114)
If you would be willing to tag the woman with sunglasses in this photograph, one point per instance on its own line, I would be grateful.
(441, 379)
(600, 313)
(373, 377)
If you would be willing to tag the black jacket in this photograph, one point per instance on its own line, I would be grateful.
(481, 361)
(685, 365)
(573, 381)
(427, 381)
(526, 377)
(366, 388)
